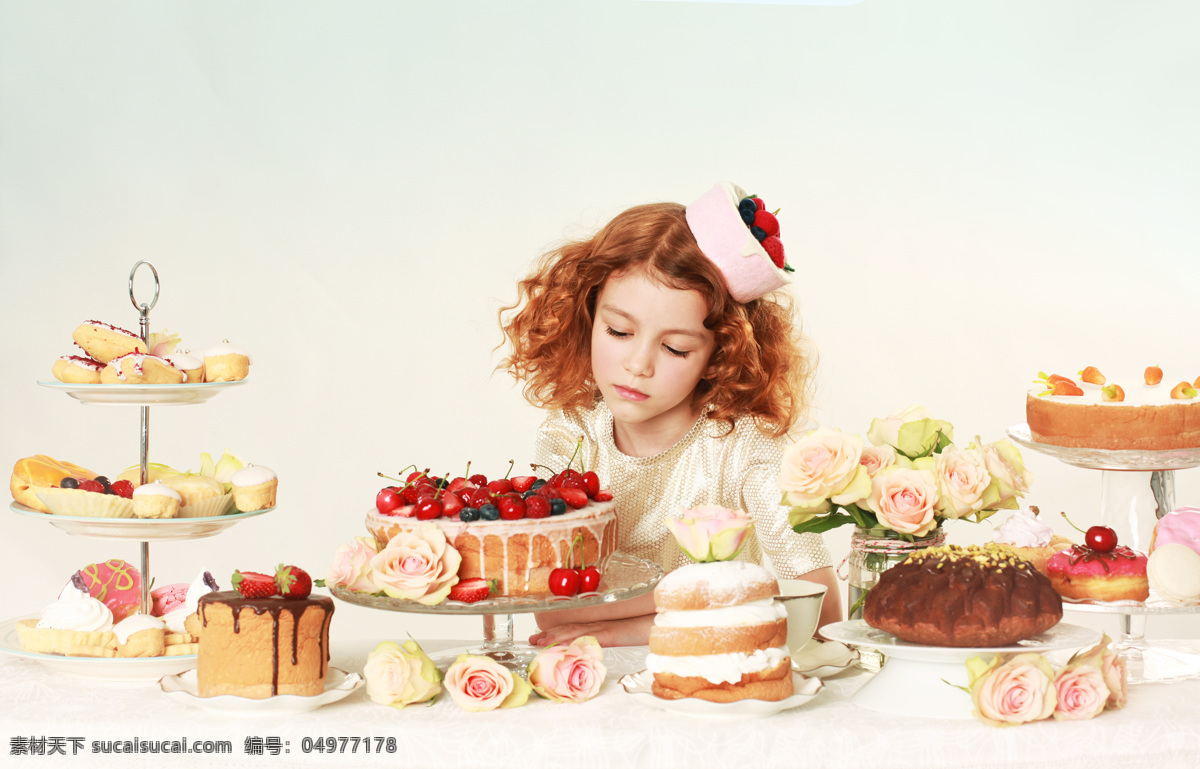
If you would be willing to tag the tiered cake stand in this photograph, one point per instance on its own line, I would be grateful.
(1137, 488)
(623, 577)
(143, 531)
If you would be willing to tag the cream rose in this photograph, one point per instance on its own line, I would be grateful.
(877, 458)
(1080, 692)
(962, 478)
(1010, 479)
(571, 673)
(903, 500)
(481, 683)
(823, 467)
(711, 533)
(1013, 692)
(401, 675)
(351, 567)
(418, 566)
(1111, 666)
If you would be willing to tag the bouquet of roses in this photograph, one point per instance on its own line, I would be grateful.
(908, 480)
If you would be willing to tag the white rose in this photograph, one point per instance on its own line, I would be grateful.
(824, 465)
(962, 478)
(877, 458)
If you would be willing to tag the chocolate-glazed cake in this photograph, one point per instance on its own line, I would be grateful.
(963, 596)
(260, 647)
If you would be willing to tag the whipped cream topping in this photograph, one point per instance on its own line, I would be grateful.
(1023, 529)
(252, 475)
(135, 623)
(1137, 392)
(157, 489)
(201, 586)
(752, 613)
(225, 348)
(718, 668)
(75, 609)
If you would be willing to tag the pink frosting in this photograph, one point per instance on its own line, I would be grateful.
(168, 598)
(1080, 561)
(1181, 526)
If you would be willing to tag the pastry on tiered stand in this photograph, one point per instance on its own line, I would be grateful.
(1026, 536)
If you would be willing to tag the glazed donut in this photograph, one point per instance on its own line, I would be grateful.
(104, 342)
(32, 474)
(720, 635)
(75, 369)
(226, 363)
(1085, 574)
(140, 368)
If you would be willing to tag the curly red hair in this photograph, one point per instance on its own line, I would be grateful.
(758, 366)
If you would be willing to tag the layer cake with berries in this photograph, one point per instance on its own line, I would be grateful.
(515, 532)
(1143, 411)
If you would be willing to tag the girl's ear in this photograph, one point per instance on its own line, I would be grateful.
(710, 372)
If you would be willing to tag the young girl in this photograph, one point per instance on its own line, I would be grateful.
(662, 344)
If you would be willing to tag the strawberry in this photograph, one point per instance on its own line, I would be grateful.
(1092, 375)
(252, 584)
(537, 507)
(123, 489)
(1183, 391)
(774, 248)
(1113, 393)
(471, 590)
(500, 485)
(603, 495)
(766, 221)
(1066, 387)
(1153, 375)
(451, 504)
(521, 483)
(576, 498)
(293, 582)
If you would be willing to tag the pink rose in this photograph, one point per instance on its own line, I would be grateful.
(1111, 666)
(1013, 692)
(962, 478)
(351, 567)
(481, 683)
(1081, 693)
(711, 533)
(821, 467)
(903, 500)
(877, 458)
(569, 673)
(418, 566)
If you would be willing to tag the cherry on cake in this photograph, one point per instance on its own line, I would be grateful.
(1129, 411)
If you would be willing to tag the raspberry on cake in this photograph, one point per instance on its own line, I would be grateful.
(720, 635)
(1131, 412)
(963, 596)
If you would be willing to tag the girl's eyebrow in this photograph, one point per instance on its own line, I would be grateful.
(631, 319)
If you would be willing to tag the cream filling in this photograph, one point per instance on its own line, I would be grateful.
(134, 623)
(718, 668)
(753, 613)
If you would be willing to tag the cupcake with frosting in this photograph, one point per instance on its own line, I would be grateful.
(1028, 537)
(254, 488)
(156, 500)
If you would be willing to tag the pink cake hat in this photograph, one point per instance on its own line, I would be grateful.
(741, 237)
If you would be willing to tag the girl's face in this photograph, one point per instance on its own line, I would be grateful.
(649, 350)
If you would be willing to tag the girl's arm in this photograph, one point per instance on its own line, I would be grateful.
(624, 623)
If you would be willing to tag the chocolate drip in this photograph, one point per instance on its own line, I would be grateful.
(1084, 553)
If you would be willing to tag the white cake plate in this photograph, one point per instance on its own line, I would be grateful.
(923, 680)
(142, 394)
(127, 669)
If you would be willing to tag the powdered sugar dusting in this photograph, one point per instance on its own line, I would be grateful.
(727, 581)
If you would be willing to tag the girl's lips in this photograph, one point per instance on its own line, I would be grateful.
(630, 394)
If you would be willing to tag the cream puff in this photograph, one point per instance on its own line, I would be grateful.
(226, 363)
(104, 342)
(192, 367)
(140, 368)
(76, 369)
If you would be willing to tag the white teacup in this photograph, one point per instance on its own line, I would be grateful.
(802, 599)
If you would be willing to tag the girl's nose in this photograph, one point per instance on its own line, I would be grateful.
(640, 360)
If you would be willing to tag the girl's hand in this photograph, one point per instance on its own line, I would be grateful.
(630, 631)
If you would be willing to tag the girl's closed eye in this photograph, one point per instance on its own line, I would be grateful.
(677, 353)
(618, 334)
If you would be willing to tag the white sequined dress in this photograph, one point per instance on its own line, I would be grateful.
(711, 465)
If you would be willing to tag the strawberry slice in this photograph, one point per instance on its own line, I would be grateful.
(471, 590)
(252, 584)
(603, 495)
(522, 483)
(576, 498)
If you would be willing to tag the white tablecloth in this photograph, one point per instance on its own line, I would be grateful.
(1159, 729)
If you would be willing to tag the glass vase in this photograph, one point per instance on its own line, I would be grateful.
(872, 552)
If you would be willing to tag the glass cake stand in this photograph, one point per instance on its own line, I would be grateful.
(623, 576)
(1136, 489)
